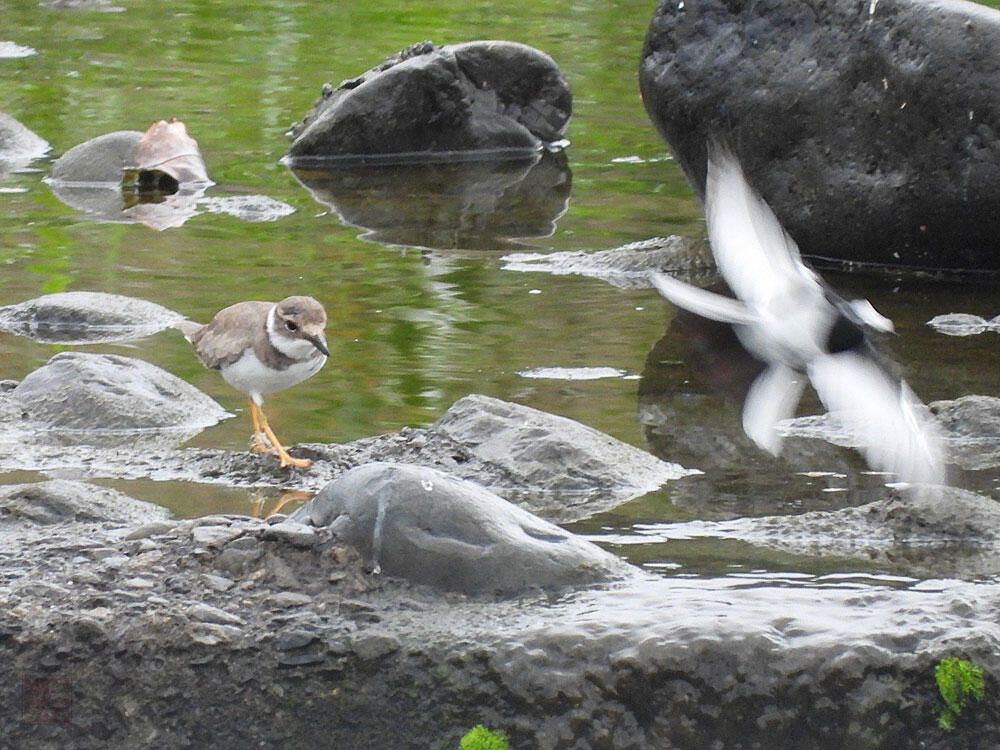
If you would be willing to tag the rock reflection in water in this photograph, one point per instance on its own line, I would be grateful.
(474, 205)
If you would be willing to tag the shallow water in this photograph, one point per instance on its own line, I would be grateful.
(422, 312)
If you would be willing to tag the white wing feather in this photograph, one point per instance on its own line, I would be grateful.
(882, 416)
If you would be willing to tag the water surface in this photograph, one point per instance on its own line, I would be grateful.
(419, 316)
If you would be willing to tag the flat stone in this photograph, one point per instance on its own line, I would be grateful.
(298, 534)
(207, 613)
(217, 583)
(139, 583)
(215, 536)
(287, 599)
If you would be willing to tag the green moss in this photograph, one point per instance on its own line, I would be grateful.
(481, 738)
(959, 681)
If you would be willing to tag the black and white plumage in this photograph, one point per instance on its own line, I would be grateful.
(800, 329)
(260, 348)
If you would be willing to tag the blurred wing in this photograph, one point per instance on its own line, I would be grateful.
(755, 255)
(700, 302)
(882, 415)
(772, 397)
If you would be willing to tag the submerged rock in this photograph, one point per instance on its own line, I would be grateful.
(626, 267)
(868, 127)
(973, 426)
(85, 317)
(483, 97)
(64, 501)
(416, 523)
(18, 145)
(85, 392)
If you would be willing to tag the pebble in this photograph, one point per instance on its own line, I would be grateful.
(217, 583)
(298, 534)
(212, 634)
(289, 640)
(113, 562)
(287, 599)
(375, 645)
(210, 614)
(214, 536)
(139, 583)
(102, 553)
(86, 577)
(152, 529)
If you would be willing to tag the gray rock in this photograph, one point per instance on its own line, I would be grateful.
(298, 534)
(288, 599)
(214, 536)
(85, 317)
(626, 267)
(478, 97)
(100, 160)
(64, 501)
(82, 391)
(869, 127)
(206, 613)
(548, 454)
(18, 145)
(419, 524)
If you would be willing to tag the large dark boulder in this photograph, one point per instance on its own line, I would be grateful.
(479, 97)
(870, 127)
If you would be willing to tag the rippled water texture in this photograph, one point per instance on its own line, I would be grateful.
(423, 310)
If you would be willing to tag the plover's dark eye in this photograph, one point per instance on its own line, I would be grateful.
(290, 325)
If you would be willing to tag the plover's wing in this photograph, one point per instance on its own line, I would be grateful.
(772, 397)
(706, 304)
(882, 416)
(754, 253)
(223, 341)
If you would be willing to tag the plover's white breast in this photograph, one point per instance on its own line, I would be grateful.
(249, 375)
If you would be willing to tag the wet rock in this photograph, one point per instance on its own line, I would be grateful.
(82, 391)
(973, 425)
(85, 317)
(963, 324)
(626, 267)
(214, 536)
(298, 534)
(64, 501)
(429, 528)
(288, 599)
(865, 149)
(18, 145)
(939, 531)
(467, 205)
(485, 97)
(100, 160)
(552, 454)
(207, 613)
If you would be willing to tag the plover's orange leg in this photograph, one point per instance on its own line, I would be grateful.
(286, 460)
(259, 446)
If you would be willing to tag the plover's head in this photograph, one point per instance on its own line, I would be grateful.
(295, 327)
